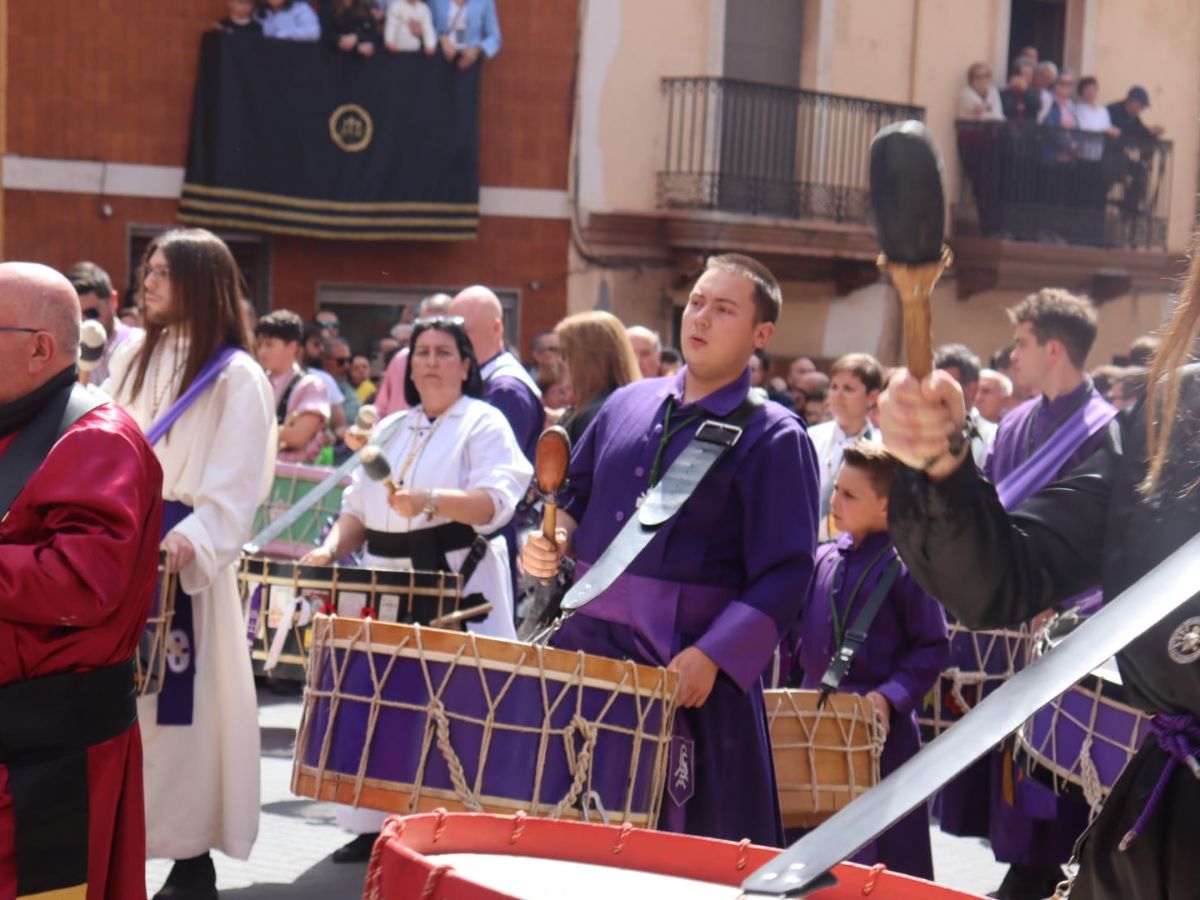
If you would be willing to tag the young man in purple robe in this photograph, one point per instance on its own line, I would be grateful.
(723, 579)
(1039, 442)
(906, 646)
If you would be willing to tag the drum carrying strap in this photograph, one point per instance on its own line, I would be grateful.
(857, 633)
(712, 440)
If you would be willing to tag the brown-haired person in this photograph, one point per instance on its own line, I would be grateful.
(79, 529)
(600, 358)
(854, 384)
(201, 731)
(1110, 520)
(712, 593)
(351, 26)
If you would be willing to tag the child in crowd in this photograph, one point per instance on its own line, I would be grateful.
(289, 20)
(409, 28)
(351, 27)
(241, 18)
(906, 645)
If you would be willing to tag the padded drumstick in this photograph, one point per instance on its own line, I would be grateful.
(910, 218)
(376, 466)
(550, 462)
(92, 339)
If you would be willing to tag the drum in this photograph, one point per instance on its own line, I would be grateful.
(406, 719)
(280, 598)
(824, 758)
(1082, 741)
(292, 482)
(155, 644)
(980, 661)
(459, 856)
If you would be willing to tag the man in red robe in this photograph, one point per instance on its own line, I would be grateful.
(80, 508)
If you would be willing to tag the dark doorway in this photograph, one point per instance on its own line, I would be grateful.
(1041, 24)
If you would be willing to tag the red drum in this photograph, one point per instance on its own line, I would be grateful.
(469, 856)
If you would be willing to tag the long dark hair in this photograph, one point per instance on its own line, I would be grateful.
(205, 287)
(453, 326)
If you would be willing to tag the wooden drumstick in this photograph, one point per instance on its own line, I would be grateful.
(909, 207)
(551, 460)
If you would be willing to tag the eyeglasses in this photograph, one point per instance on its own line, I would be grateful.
(342, 360)
(161, 273)
(17, 329)
(426, 321)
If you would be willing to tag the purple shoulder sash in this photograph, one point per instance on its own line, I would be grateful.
(205, 377)
(1040, 468)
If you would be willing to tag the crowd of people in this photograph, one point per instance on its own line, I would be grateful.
(835, 491)
(462, 30)
(1060, 149)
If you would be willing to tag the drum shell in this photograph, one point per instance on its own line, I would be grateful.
(824, 758)
(980, 661)
(383, 700)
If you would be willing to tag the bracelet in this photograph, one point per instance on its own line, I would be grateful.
(431, 505)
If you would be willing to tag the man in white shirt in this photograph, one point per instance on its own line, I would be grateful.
(964, 366)
(854, 385)
(1043, 79)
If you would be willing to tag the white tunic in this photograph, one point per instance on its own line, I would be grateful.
(473, 448)
(202, 780)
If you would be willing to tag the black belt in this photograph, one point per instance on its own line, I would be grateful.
(427, 547)
(46, 727)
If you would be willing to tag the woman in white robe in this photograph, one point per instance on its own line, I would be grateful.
(453, 459)
(202, 779)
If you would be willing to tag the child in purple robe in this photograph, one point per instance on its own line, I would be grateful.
(906, 646)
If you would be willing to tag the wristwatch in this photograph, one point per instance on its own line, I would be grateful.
(962, 438)
(431, 507)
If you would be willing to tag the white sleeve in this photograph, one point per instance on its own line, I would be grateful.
(392, 24)
(353, 503)
(237, 475)
(496, 464)
(430, 32)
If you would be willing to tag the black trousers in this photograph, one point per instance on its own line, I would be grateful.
(1164, 862)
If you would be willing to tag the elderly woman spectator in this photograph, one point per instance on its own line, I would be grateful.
(1044, 77)
(599, 359)
(980, 99)
(978, 145)
(289, 20)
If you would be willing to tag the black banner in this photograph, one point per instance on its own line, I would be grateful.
(297, 138)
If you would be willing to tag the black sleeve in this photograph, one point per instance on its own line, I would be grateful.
(992, 569)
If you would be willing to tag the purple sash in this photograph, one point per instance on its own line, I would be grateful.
(1038, 470)
(176, 698)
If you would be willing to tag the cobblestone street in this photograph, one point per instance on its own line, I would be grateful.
(296, 836)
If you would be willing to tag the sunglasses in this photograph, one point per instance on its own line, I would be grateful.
(91, 313)
(342, 360)
(426, 321)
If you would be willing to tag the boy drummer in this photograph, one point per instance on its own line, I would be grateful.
(722, 579)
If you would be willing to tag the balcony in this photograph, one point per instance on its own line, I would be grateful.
(765, 150)
(1028, 182)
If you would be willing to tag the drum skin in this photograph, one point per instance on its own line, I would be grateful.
(405, 861)
(906, 194)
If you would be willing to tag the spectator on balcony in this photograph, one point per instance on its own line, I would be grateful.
(240, 19)
(1061, 148)
(1045, 76)
(1126, 115)
(409, 28)
(289, 20)
(1092, 117)
(1019, 101)
(980, 99)
(467, 29)
(1030, 53)
(350, 26)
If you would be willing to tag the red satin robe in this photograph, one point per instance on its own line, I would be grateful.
(78, 564)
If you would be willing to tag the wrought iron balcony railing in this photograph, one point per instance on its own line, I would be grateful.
(1028, 182)
(741, 146)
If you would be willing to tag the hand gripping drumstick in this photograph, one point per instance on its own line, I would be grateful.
(910, 218)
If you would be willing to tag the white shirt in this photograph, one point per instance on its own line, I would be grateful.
(982, 443)
(473, 448)
(336, 397)
(830, 441)
(396, 32)
(1090, 117)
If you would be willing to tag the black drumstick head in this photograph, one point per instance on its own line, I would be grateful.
(906, 194)
(374, 463)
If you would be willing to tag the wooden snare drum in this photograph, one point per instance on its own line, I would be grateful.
(824, 758)
(406, 719)
(150, 661)
(461, 856)
(280, 598)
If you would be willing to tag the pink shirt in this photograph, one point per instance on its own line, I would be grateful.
(390, 398)
(308, 396)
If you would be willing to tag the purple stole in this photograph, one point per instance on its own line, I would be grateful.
(176, 696)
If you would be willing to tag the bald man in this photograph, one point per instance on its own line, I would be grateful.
(506, 384)
(80, 507)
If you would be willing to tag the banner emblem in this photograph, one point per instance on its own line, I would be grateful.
(351, 128)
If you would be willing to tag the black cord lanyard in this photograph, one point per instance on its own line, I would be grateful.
(839, 622)
(1075, 407)
(667, 433)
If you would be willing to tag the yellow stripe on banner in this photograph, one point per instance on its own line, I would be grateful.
(274, 228)
(79, 892)
(284, 200)
(317, 219)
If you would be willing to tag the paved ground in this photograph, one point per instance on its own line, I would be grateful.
(296, 836)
